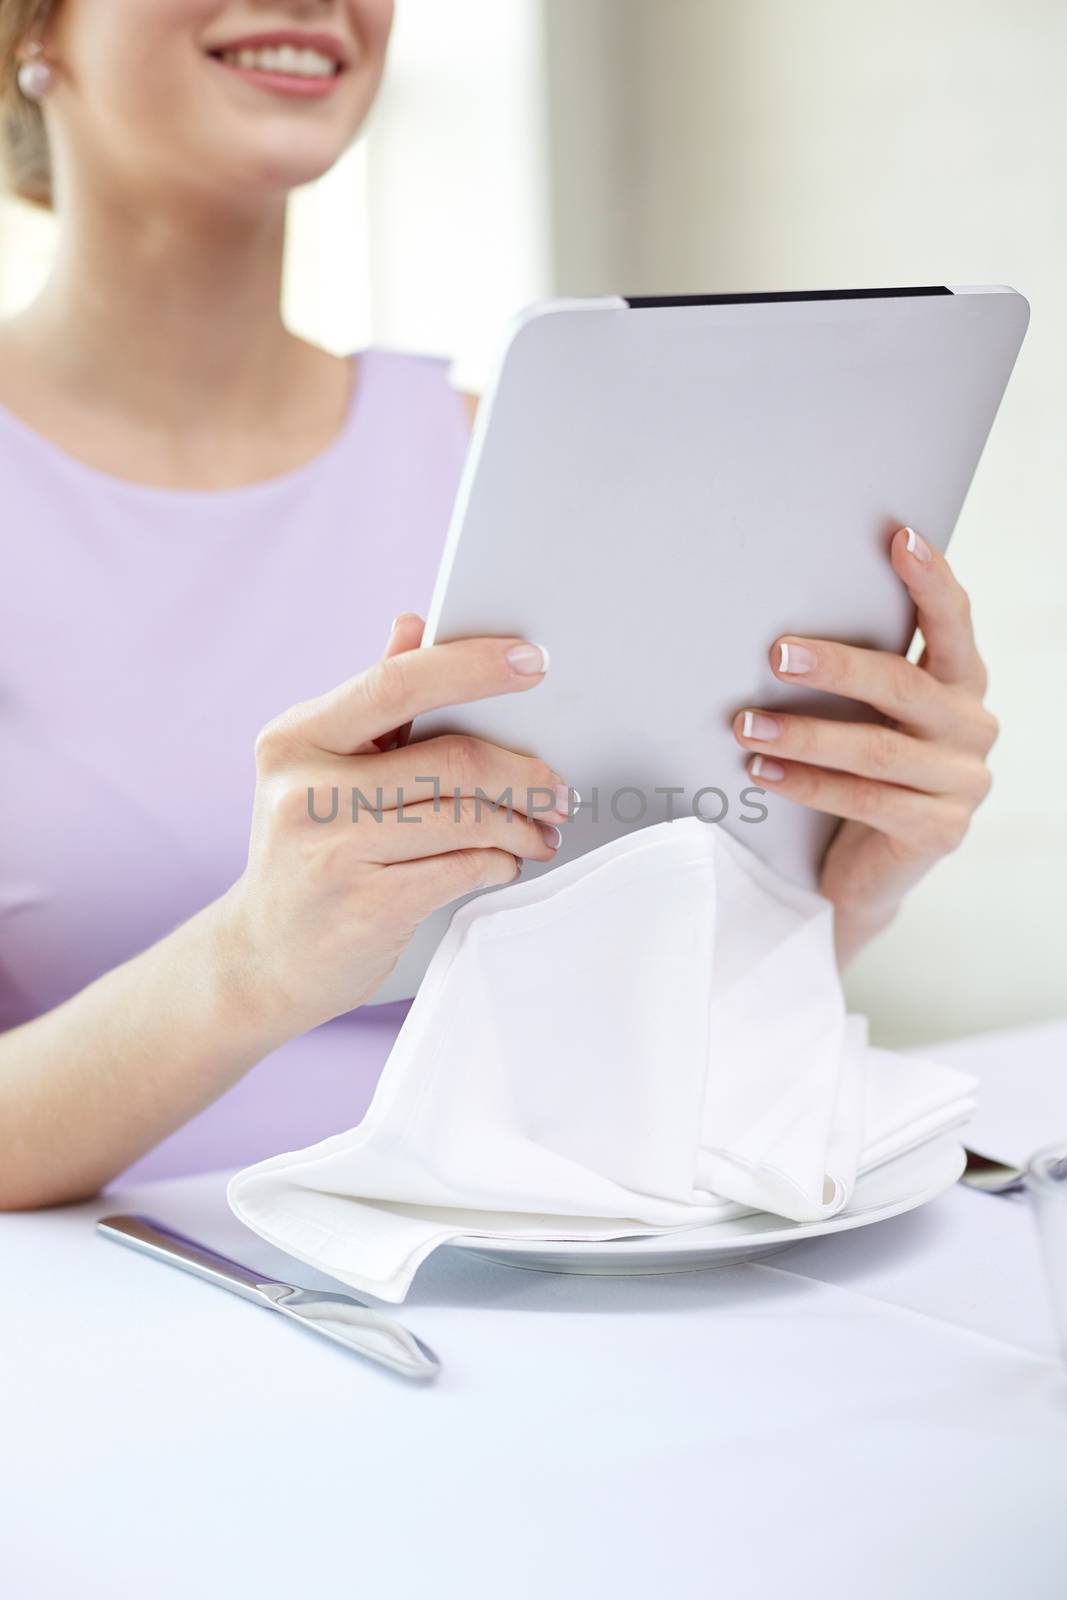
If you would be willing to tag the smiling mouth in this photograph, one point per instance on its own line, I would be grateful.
(288, 65)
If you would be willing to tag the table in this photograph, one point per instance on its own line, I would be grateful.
(881, 1413)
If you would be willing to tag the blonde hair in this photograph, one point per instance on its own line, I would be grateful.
(23, 141)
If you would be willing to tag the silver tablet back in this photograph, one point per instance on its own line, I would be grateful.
(656, 489)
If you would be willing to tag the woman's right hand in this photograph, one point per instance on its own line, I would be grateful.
(324, 909)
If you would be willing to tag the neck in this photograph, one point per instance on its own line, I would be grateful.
(155, 311)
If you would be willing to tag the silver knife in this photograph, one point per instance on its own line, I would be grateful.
(336, 1316)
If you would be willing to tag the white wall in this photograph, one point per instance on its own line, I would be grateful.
(26, 235)
(327, 285)
(457, 177)
(815, 143)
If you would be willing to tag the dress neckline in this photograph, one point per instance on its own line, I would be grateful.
(259, 488)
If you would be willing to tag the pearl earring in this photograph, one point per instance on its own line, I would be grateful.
(35, 75)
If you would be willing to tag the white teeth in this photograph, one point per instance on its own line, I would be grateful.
(316, 65)
(285, 59)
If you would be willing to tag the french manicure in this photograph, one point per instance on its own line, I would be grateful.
(917, 546)
(562, 793)
(528, 658)
(553, 837)
(758, 725)
(794, 657)
(764, 767)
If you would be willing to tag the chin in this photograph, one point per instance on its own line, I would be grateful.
(269, 170)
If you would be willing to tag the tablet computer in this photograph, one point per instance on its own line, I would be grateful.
(658, 487)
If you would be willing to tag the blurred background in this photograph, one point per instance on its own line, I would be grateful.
(523, 148)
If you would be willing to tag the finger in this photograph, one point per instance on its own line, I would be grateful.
(429, 829)
(460, 764)
(405, 634)
(944, 612)
(417, 888)
(922, 826)
(898, 688)
(866, 750)
(400, 687)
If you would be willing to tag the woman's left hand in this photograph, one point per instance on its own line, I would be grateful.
(906, 791)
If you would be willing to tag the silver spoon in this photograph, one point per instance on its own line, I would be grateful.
(998, 1177)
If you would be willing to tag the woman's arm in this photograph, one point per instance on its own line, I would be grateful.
(906, 787)
(314, 925)
(88, 1087)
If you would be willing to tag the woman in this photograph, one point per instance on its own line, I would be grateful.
(209, 520)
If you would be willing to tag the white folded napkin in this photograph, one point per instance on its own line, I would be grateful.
(649, 1037)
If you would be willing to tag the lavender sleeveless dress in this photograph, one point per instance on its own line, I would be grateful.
(145, 636)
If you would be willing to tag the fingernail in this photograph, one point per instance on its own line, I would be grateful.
(794, 657)
(552, 834)
(917, 546)
(758, 725)
(563, 793)
(528, 658)
(764, 767)
(518, 866)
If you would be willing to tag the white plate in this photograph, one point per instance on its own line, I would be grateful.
(898, 1186)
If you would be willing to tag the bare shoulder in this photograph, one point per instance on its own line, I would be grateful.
(16, 370)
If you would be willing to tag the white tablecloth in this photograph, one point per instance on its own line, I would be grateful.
(880, 1413)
